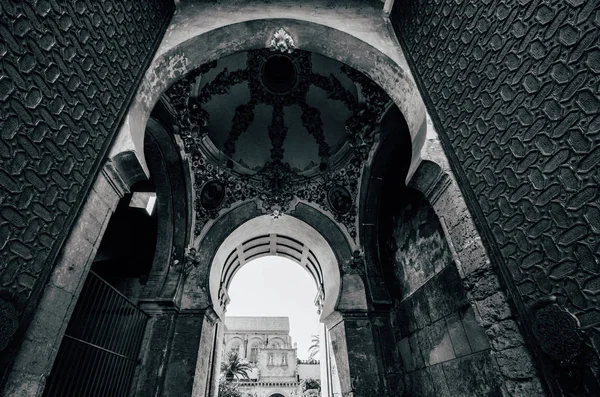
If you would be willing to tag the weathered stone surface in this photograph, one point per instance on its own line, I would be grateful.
(416, 311)
(472, 376)
(528, 388)
(481, 284)
(418, 383)
(408, 359)
(181, 367)
(25, 384)
(478, 340)
(438, 378)
(504, 335)
(436, 345)
(362, 358)
(154, 348)
(458, 336)
(493, 309)
(473, 256)
(437, 322)
(445, 293)
(515, 363)
(73, 260)
(416, 351)
(34, 357)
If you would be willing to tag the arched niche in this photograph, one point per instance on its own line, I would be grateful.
(179, 57)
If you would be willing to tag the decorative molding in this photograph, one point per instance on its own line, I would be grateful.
(282, 41)
(190, 260)
(556, 331)
(276, 185)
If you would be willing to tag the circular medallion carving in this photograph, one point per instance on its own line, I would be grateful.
(556, 332)
(9, 322)
(212, 194)
(339, 199)
(279, 74)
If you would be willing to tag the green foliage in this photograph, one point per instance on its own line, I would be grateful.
(228, 389)
(234, 367)
(312, 393)
(231, 389)
(315, 346)
(311, 384)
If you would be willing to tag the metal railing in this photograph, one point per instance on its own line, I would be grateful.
(99, 351)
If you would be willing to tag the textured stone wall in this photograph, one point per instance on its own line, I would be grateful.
(68, 71)
(443, 348)
(512, 87)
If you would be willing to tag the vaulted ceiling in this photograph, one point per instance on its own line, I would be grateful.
(270, 107)
(277, 126)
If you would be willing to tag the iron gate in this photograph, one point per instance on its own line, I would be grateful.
(99, 351)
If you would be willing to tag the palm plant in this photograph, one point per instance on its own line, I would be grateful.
(235, 367)
(315, 346)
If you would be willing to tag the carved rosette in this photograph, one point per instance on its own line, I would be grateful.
(556, 331)
(316, 191)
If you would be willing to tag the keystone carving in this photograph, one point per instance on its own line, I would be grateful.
(282, 41)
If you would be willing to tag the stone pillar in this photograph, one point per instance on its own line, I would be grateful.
(389, 357)
(150, 374)
(179, 354)
(191, 348)
(217, 355)
(356, 354)
(42, 340)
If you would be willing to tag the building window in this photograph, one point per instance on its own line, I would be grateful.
(253, 354)
(235, 349)
(270, 362)
(284, 360)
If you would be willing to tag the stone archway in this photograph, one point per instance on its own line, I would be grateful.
(175, 58)
(291, 238)
(288, 237)
(326, 252)
(194, 46)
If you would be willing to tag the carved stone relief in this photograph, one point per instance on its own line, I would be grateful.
(333, 187)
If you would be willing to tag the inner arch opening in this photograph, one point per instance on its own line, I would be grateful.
(286, 237)
(277, 245)
(271, 324)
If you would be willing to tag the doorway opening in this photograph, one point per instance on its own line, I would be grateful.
(99, 352)
(271, 325)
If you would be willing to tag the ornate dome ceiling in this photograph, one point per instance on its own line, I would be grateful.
(277, 125)
(263, 107)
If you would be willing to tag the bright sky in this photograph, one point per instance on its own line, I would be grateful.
(275, 286)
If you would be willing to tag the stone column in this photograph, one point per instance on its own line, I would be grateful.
(356, 354)
(42, 340)
(150, 374)
(188, 367)
(216, 362)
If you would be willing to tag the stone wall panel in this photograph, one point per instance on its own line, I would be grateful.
(68, 71)
(513, 90)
